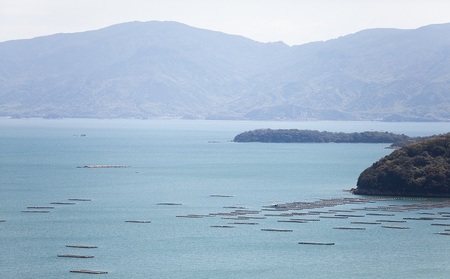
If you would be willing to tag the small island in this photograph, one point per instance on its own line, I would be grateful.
(420, 169)
(314, 136)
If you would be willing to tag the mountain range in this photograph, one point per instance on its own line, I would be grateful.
(171, 70)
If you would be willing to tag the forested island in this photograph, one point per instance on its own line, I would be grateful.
(314, 136)
(420, 169)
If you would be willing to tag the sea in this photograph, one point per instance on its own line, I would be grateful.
(180, 199)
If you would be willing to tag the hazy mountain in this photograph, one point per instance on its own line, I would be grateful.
(168, 69)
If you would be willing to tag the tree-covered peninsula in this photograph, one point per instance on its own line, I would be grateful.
(314, 136)
(420, 169)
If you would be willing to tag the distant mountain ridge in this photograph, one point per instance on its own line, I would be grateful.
(171, 70)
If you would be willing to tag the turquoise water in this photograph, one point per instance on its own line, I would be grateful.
(185, 162)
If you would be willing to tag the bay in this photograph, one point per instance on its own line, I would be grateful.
(195, 166)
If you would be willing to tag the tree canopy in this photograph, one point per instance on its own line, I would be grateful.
(419, 169)
(314, 136)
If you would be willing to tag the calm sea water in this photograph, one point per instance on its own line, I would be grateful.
(185, 162)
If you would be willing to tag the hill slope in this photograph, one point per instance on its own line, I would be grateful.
(419, 169)
(167, 69)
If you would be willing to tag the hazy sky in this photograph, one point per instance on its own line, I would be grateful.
(291, 21)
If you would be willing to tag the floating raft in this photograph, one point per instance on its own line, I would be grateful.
(443, 233)
(236, 218)
(391, 221)
(1, 221)
(279, 209)
(292, 221)
(63, 203)
(192, 216)
(82, 246)
(380, 214)
(333, 217)
(277, 230)
(246, 211)
(89, 271)
(348, 215)
(138, 221)
(221, 196)
(316, 243)
(75, 256)
(243, 223)
(244, 218)
(316, 212)
(349, 228)
(438, 224)
(305, 219)
(77, 199)
(396, 227)
(366, 223)
(254, 217)
(168, 203)
(35, 211)
(222, 226)
(40, 207)
(423, 218)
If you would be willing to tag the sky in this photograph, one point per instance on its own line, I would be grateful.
(294, 22)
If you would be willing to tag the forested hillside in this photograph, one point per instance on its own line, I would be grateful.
(419, 169)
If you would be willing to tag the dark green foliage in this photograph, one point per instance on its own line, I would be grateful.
(419, 169)
(304, 136)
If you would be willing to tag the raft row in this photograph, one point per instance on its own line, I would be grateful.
(63, 203)
(316, 243)
(222, 226)
(443, 233)
(395, 227)
(349, 228)
(89, 271)
(277, 230)
(168, 203)
(82, 246)
(75, 256)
